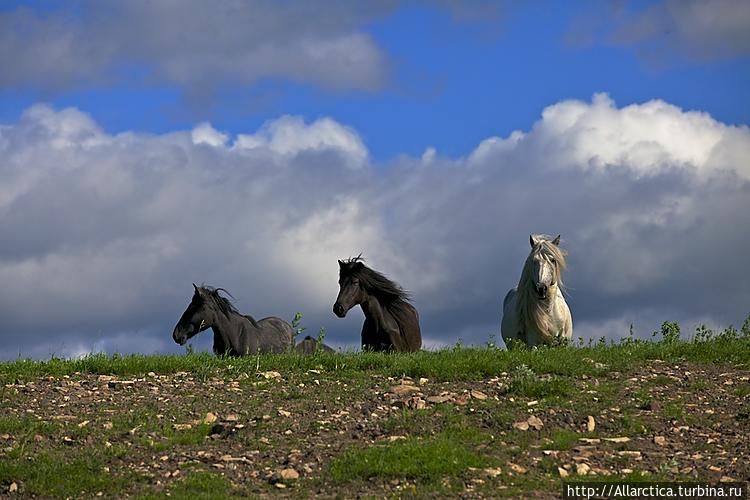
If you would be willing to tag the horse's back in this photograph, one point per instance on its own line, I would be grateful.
(275, 335)
(397, 329)
(407, 318)
(310, 346)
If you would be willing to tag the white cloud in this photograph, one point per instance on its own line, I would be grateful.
(645, 138)
(206, 134)
(103, 234)
(290, 136)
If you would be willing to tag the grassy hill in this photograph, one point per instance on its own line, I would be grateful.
(480, 422)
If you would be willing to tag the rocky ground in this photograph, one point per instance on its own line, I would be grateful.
(307, 433)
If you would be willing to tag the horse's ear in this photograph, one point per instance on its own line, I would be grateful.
(196, 288)
(341, 264)
(556, 241)
(532, 240)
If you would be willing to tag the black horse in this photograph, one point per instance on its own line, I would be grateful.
(234, 334)
(391, 322)
(311, 346)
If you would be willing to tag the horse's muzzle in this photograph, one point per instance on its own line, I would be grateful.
(179, 336)
(339, 310)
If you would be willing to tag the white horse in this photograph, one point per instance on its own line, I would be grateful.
(535, 312)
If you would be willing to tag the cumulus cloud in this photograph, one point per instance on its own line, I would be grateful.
(692, 29)
(290, 136)
(103, 234)
(197, 45)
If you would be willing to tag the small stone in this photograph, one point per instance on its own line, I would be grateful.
(622, 439)
(590, 423)
(13, 488)
(283, 413)
(629, 453)
(535, 422)
(182, 427)
(478, 395)
(270, 375)
(590, 440)
(423, 381)
(288, 474)
(521, 426)
(582, 469)
(562, 472)
(210, 418)
(438, 399)
(517, 468)
(403, 389)
(493, 472)
(660, 440)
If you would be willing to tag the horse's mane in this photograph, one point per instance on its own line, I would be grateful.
(530, 310)
(224, 305)
(374, 282)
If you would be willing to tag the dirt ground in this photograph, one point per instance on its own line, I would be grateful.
(276, 434)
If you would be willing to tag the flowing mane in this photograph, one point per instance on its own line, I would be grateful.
(223, 304)
(532, 312)
(374, 282)
(391, 321)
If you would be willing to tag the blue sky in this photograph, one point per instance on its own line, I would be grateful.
(453, 81)
(301, 131)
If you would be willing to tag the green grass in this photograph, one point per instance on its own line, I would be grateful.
(564, 439)
(445, 365)
(414, 458)
(54, 475)
(199, 485)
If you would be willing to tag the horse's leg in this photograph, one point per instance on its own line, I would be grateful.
(369, 335)
(220, 348)
(510, 325)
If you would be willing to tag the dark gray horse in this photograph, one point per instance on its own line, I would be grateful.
(234, 334)
(310, 346)
(391, 322)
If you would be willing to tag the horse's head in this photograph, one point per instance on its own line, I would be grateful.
(199, 315)
(351, 291)
(545, 262)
